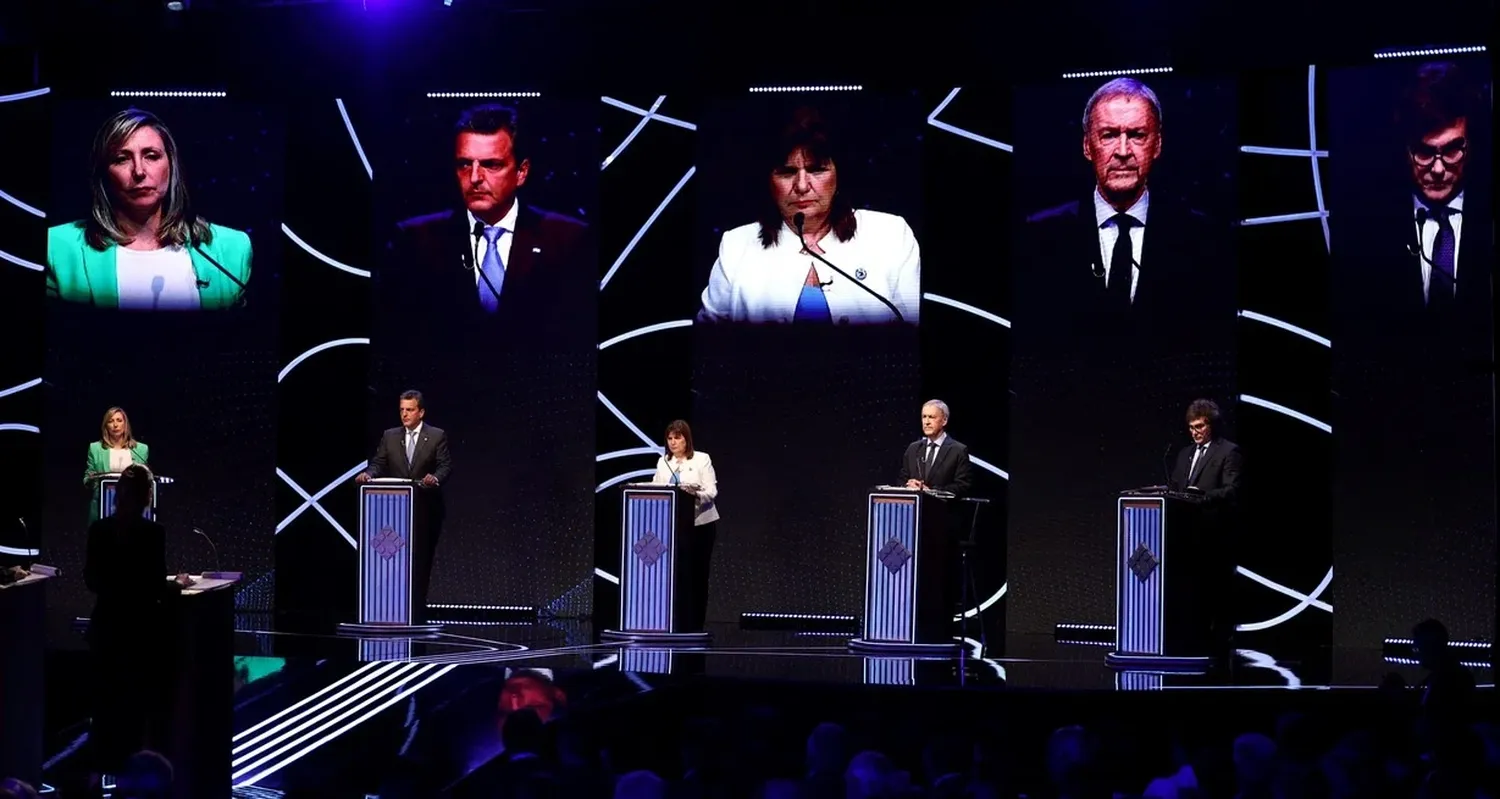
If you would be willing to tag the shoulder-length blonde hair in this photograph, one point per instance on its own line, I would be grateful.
(129, 439)
(179, 225)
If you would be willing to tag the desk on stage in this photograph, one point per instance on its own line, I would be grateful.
(652, 519)
(23, 607)
(908, 603)
(202, 699)
(1163, 555)
(387, 556)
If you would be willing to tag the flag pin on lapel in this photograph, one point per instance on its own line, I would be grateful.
(860, 274)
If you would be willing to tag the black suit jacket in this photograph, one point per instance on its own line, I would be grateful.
(1218, 472)
(430, 457)
(949, 470)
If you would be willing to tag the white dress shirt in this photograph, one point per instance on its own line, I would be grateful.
(1109, 233)
(119, 459)
(929, 459)
(750, 283)
(156, 280)
(481, 246)
(697, 470)
(1427, 231)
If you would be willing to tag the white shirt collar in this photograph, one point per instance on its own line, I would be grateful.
(942, 437)
(417, 430)
(507, 222)
(1418, 204)
(1103, 211)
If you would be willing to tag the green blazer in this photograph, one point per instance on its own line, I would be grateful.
(79, 273)
(98, 463)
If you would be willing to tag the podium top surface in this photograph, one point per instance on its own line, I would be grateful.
(391, 481)
(203, 585)
(29, 579)
(657, 486)
(157, 478)
(913, 491)
(1163, 492)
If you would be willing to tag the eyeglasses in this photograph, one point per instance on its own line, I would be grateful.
(1451, 153)
(1198, 426)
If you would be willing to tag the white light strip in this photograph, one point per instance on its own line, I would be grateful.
(19, 261)
(320, 256)
(1094, 627)
(989, 467)
(985, 605)
(19, 388)
(1279, 218)
(957, 131)
(1478, 48)
(634, 132)
(776, 89)
(34, 211)
(1454, 644)
(804, 616)
(625, 453)
(457, 95)
(170, 93)
(1312, 144)
(354, 137)
(327, 345)
(312, 501)
(656, 328)
(606, 576)
(20, 428)
(1287, 326)
(620, 478)
(11, 98)
(1111, 73)
(23, 553)
(1293, 153)
(629, 424)
(1303, 602)
(615, 267)
(1285, 411)
(963, 306)
(289, 709)
(1468, 664)
(351, 725)
(1260, 660)
(483, 607)
(624, 106)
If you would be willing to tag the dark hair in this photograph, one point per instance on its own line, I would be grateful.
(681, 428)
(1203, 409)
(490, 119)
(413, 394)
(808, 132)
(133, 493)
(1436, 96)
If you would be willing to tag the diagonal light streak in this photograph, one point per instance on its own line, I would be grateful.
(651, 220)
(1285, 411)
(22, 387)
(19, 261)
(1279, 218)
(20, 428)
(1287, 326)
(308, 248)
(990, 467)
(616, 411)
(1286, 151)
(639, 126)
(641, 331)
(963, 306)
(252, 753)
(327, 345)
(604, 575)
(312, 501)
(11, 98)
(624, 106)
(932, 119)
(305, 700)
(354, 137)
(23, 553)
(33, 210)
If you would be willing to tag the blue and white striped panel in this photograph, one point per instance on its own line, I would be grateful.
(890, 671)
(107, 491)
(646, 559)
(385, 556)
(373, 649)
(1142, 604)
(1138, 681)
(891, 593)
(646, 661)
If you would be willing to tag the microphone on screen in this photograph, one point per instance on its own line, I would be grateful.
(1414, 247)
(157, 284)
(798, 220)
(478, 234)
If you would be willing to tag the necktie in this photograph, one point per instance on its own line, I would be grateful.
(812, 305)
(493, 271)
(1441, 286)
(931, 452)
(1120, 262)
(1193, 467)
(411, 445)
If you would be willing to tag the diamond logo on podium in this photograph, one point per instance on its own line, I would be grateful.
(1142, 563)
(387, 543)
(650, 549)
(893, 556)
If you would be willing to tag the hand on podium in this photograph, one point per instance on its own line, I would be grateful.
(429, 481)
(362, 477)
(184, 580)
(915, 484)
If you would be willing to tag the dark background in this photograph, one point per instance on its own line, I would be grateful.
(199, 387)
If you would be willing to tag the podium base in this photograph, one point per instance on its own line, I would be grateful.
(867, 647)
(1128, 661)
(655, 638)
(387, 630)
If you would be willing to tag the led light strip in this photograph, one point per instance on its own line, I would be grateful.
(466, 95)
(774, 89)
(173, 93)
(1113, 73)
(1430, 52)
(374, 670)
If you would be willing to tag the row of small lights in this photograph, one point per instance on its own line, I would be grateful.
(1430, 52)
(454, 95)
(1114, 73)
(175, 93)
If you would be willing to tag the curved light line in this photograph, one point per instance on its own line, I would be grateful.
(1302, 604)
(354, 137)
(18, 389)
(1260, 660)
(639, 126)
(24, 553)
(620, 478)
(641, 331)
(23, 206)
(1312, 144)
(990, 467)
(1279, 218)
(985, 605)
(598, 572)
(1287, 326)
(623, 106)
(977, 649)
(616, 411)
(1285, 411)
(963, 306)
(1288, 151)
(615, 267)
(957, 131)
(320, 256)
(625, 453)
(19, 261)
(327, 345)
(11, 98)
(20, 428)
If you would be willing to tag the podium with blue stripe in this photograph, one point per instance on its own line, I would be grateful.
(907, 602)
(1160, 559)
(387, 527)
(651, 519)
(109, 486)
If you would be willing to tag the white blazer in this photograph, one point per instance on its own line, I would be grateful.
(697, 470)
(750, 283)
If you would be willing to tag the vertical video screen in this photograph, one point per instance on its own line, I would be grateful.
(1123, 287)
(1412, 223)
(807, 367)
(161, 318)
(486, 296)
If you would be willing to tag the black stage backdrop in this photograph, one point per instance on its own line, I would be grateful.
(199, 387)
(514, 391)
(1098, 398)
(802, 421)
(1414, 482)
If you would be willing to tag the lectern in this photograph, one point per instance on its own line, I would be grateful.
(387, 527)
(109, 484)
(202, 713)
(22, 644)
(908, 598)
(1164, 556)
(653, 517)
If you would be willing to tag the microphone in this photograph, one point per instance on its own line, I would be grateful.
(204, 283)
(1414, 247)
(210, 546)
(157, 284)
(1098, 266)
(1166, 465)
(667, 459)
(797, 220)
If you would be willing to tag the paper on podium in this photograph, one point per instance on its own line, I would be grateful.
(203, 584)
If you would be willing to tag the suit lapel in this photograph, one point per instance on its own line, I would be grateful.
(103, 278)
(526, 239)
(937, 458)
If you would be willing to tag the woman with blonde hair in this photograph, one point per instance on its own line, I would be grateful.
(115, 451)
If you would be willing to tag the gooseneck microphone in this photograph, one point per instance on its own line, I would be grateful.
(1166, 465)
(203, 284)
(474, 264)
(211, 546)
(798, 220)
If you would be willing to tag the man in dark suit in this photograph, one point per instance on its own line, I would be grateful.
(936, 460)
(1211, 467)
(416, 451)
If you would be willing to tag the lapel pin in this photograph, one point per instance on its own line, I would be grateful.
(859, 274)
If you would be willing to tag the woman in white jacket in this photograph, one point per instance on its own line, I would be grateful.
(693, 471)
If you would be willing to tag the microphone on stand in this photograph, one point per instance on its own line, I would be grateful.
(1166, 465)
(1414, 247)
(798, 220)
(211, 546)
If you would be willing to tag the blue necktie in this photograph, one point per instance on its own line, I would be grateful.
(812, 305)
(1440, 287)
(411, 445)
(493, 271)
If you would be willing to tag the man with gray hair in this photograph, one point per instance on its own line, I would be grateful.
(936, 460)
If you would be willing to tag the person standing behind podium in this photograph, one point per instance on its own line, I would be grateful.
(936, 461)
(419, 452)
(1211, 466)
(115, 450)
(693, 470)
